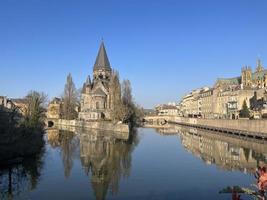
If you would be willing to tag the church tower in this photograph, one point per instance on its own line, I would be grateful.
(96, 97)
(102, 68)
(246, 76)
(260, 79)
(259, 67)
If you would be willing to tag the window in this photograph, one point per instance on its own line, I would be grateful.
(97, 105)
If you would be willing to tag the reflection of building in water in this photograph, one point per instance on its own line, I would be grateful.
(168, 129)
(106, 156)
(53, 137)
(224, 151)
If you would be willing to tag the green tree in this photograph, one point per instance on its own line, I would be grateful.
(244, 112)
(70, 100)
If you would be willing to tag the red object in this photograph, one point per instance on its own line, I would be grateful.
(262, 184)
(235, 196)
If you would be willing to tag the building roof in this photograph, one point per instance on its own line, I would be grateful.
(99, 91)
(102, 58)
(56, 100)
(231, 81)
(167, 107)
(19, 100)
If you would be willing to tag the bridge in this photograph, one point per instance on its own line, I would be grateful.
(51, 122)
(157, 120)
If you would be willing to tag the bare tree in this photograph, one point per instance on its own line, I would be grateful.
(127, 97)
(35, 109)
(127, 101)
(115, 99)
(132, 113)
(70, 99)
(122, 103)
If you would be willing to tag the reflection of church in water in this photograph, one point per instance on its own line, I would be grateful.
(106, 157)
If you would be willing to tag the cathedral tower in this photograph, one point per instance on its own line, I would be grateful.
(246, 76)
(259, 67)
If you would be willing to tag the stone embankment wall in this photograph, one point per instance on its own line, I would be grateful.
(259, 126)
(101, 125)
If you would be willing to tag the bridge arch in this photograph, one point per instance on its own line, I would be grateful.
(50, 124)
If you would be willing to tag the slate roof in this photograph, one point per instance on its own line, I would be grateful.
(102, 58)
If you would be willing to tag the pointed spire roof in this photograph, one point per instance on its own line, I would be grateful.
(259, 65)
(88, 80)
(102, 58)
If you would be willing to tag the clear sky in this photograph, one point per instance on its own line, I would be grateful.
(165, 48)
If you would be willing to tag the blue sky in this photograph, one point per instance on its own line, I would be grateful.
(165, 48)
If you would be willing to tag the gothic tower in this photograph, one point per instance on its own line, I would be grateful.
(102, 68)
(260, 75)
(259, 67)
(246, 76)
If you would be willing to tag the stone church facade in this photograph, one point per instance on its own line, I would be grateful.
(257, 79)
(96, 98)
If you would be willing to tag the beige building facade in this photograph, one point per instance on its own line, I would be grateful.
(206, 102)
(54, 110)
(227, 96)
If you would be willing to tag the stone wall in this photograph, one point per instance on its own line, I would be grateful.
(259, 126)
(101, 125)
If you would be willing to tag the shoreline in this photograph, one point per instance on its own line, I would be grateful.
(98, 125)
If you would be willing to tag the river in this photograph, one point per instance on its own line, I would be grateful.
(170, 163)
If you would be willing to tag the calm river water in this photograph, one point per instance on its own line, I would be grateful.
(170, 163)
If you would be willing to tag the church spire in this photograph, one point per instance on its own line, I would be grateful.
(88, 80)
(259, 65)
(102, 58)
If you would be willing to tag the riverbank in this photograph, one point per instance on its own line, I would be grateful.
(19, 144)
(100, 125)
(243, 127)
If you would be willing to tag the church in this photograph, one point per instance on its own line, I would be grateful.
(257, 79)
(95, 97)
